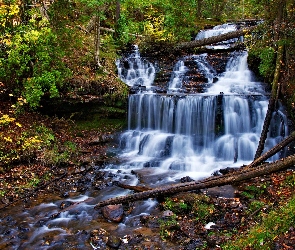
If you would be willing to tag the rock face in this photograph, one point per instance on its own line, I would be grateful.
(113, 212)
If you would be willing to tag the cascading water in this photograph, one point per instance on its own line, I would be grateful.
(138, 72)
(178, 76)
(204, 67)
(179, 71)
(169, 136)
(199, 133)
(218, 30)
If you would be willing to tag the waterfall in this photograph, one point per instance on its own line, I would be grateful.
(136, 71)
(177, 76)
(215, 31)
(204, 67)
(197, 134)
(237, 79)
(171, 135)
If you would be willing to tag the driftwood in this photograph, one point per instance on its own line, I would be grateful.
(215, 39)
(239, 175)
(273, 151)
(134, 188)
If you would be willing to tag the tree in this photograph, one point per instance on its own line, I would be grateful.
(97, 10)
(30, 59)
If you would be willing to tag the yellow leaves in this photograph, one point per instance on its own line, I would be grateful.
(31, 143)
(8, 139)
(8, 13)
(32, 35)
(9, 9)
(21, 101)
(5, 120)
(154, 27)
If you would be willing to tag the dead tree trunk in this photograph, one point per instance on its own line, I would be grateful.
(273, 151)
(215, 39)
(272, 103)
(239, 175)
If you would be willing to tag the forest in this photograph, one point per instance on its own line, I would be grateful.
(62, 103)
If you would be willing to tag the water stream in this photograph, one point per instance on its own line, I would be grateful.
(169, 136)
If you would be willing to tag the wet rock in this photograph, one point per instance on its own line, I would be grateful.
(212, 241)
(23, 227)
(99, 238)
(65, 204)
(114, 241)
(5, 201)
(100, 185)
(186, 179)
(194, 244)
(168, 213)
(65, 195)
(150, 221)
(101, 139)
(113, 212)
(227, 170)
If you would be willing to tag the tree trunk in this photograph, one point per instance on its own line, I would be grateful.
(215, 39)
(199, 8)
(272, 103)
(118, 10)
(134, 188)
(239, 175)
(273, 151)
(97, 41)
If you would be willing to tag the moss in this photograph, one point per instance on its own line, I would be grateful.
(261, 236)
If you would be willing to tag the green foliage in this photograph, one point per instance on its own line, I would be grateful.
(203, 210)
(57, 156)
(197, 204)
(252, 191)
(31, 63)
(46, 134)
(255, 205)
(168, 225)
(5, 120)
(124, 28)
(38, 142)
(290, 180)
(17, 144)
(267, 64)
(262, 235)
(176, 206)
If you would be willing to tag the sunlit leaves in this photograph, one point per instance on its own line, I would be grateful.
(32, 64)
(9, 13)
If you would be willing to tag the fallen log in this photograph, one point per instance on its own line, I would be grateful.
(232, 178)
(215, 39)
(134, 188)
(273, 150)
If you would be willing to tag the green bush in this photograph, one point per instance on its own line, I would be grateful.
(31, 63)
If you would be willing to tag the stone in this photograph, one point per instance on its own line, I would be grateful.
(113, 212)
(114, 241)
(99, 238)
